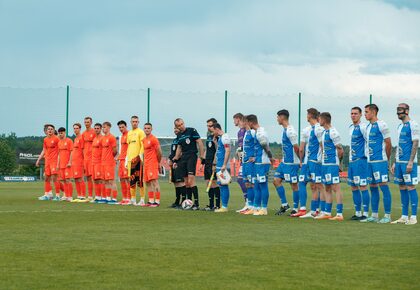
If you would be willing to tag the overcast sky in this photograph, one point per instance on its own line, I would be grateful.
(263, 52)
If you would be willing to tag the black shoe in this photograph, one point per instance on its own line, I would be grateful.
(355, 218)
(283, 209)
(174, 205)
(195, 207)
(208, 208)
(362, 218)
(293, 212)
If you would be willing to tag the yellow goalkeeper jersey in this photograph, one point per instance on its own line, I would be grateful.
(135, 144)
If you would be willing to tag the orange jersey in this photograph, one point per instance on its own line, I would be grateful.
(97, 150)
(123, 146)
(77, 155)
(151, 146)
(108, 144)
(65, 147)
(88, 137)
(51, 149)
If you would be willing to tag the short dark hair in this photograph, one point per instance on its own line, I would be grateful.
(326, 116)
(406, 106)
(314, 113)
(213, 120)
(107, 124)
(252, 118)
(48, 125)
(177, 120)
(122, 122)
(357, 108)
(134, 117)
(148, 124)
(78, 125)
(61, 129)
(238, 116)
(98, 124)
(217, 126)
(88, 118)
(372, 107)
(284, 113)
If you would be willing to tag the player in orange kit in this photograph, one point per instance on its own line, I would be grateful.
(47, 183)
(122, 168)
(109, 151)
(152, 158)
(88, 136)
(76, 163)
(97, 165)
(65, 147)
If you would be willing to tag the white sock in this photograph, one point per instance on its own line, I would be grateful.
(358, 213)
(387, 215)
(365, 213)
(375, 215)
(404, 217)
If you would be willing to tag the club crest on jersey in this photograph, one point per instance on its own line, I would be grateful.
(210, 144)
(187, 141)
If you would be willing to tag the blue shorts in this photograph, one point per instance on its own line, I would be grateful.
(248, 172)
(315, 172)
(287, 172)
(358, 170)
(401, 176)
(330, 174)
(377, 172)
(261, 171)
(304, 175)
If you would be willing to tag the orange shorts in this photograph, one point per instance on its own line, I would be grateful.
(88, 167)
(66, 173)
(108, 172)
(77, 171)
(97, 171)
(151, 172)
(51, 168)
(122, 170)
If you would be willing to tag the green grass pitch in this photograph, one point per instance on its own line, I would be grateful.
(47, 245)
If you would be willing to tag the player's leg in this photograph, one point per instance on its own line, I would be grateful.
(224, 194)
(374, 194)
(242, 185)
(336, 188)
(382, 168)
(262, 181)
(134, 179)
(303, 194)
(281, 192)
(326, 214)
(414, 198)
(192, 167)
(141, 183)
(292, 178)
(405, 198)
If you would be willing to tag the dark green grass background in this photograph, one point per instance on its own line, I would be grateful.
(47, 245)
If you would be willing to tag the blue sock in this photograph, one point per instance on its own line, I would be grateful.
(282, 194)
(303, 195)
(414, 201)
(264, 194)
(387, 198)
(328, 207)
(339, 208)
(366, 200)
(318, 201)
(224, 194)
(357, 200)
(405, 200)
(322, 202)
(296, 199)
(250, 194)
(313, 205)
(375, 199)
(257, 195)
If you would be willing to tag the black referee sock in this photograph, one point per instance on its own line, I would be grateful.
(217, 196)
(195, 193)
(189, 192)
(177, 194)
(183, 193)
(211, 197)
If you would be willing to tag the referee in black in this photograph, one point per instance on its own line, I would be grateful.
(185, 160)
(176, 178)
(211, 147)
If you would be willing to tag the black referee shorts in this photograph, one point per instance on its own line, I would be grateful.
(176, 176)
(187, 165)
(208, 170)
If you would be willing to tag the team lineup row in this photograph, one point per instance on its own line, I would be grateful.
(315, 161)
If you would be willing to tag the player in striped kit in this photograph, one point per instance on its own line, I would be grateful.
(288, 169)
(379, 146)
(357, 172)
(331, 156)
(405, 166)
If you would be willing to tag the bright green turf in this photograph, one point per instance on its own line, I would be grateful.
(47, 245)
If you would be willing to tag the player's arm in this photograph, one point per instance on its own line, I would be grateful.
(70, 148)
(302, 151)
(158, 152)
(388, 147)
(178, 155)
(340, 151)
(415, 139)
(265, 145)
(40, 157)
(226, 159)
